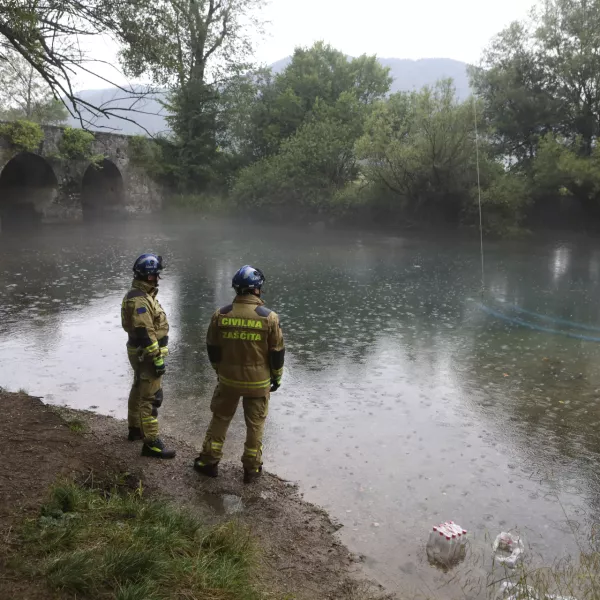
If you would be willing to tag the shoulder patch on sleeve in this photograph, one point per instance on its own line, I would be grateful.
(262, 311)
(141, 310)
(226, 309)
(135, 294)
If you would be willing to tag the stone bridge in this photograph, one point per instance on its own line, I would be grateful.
(42, 187)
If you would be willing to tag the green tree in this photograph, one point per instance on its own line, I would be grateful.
(421, 147)
(505, 201)
(238, 98)
(193, 119)
(516, 106)
(567, 41)
(560, 170)
(418, 154)
(539, 82)
(323, 72)
(25, 95)
(192, 47)
(312, 164)
(52, 112)
(542, 76)
(319, 73)
(180, 41)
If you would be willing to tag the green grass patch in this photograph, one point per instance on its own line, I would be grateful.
(109, 544)
(77, 426)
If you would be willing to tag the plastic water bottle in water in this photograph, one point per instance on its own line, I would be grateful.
(509, 549)
(447, 543)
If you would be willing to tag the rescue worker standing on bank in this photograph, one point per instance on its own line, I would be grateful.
(145, 321)
(245, 347)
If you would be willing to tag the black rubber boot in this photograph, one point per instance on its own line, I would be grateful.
(135, 434)
(206, 470)
(250, 476)
(156, 449)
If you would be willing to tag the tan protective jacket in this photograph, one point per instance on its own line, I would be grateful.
(245, 346)
(144, 319)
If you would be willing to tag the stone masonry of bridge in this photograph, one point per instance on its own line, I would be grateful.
(43, 187)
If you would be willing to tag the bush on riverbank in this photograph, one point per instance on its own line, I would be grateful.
(113, 544)
(23, 136)
(205, 203)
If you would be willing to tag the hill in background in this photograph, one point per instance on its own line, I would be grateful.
(151, 115)
(408, 75)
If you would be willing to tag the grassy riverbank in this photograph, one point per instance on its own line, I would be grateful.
(82, 514)
(115, 543)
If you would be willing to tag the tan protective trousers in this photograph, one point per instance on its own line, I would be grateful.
(145, 398)
(223, 406)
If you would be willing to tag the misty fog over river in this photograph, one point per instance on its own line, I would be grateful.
(408, 398)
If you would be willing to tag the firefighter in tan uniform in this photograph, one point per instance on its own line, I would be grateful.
(245, 347)
(145, 321)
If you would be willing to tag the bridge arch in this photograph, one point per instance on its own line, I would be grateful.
(102, 191)
(28, 186)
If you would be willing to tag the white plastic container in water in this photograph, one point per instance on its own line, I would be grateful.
(446, 543)
(511, 544)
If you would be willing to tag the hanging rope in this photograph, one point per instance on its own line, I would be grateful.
(479, 194)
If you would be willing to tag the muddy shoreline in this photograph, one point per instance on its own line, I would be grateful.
(301, 554)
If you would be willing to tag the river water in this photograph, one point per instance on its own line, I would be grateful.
(408, 398)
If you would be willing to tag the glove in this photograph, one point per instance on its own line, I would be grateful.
(158, 399)
(163, 344)
(159, 365)
(275, 384)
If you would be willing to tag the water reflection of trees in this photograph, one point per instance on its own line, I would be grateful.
(542, 389)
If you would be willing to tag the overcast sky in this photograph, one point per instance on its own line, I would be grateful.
(458, 29)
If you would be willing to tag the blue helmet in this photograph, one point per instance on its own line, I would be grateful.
(247, 278)
(148, 264)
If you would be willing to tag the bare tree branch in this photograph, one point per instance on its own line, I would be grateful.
(48, 34)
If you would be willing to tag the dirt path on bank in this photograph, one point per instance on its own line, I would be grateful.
(302, 556)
